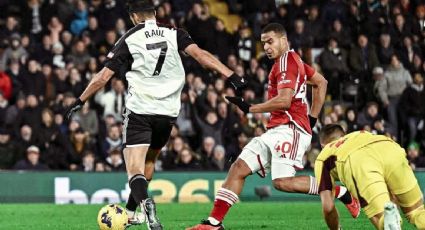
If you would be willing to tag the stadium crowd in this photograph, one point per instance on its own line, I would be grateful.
(371, 53)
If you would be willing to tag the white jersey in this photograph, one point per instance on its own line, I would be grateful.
(149, 52)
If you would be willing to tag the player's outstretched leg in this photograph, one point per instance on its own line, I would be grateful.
(309, 185)
(226, 196)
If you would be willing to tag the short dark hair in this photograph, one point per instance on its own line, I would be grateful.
(330, 133)
(275, 27)
(140, 6)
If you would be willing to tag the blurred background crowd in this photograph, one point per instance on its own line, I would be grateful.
(371, 52)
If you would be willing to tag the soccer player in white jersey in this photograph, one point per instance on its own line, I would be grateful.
(149, 53)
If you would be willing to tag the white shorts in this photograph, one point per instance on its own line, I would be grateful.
(280, 151)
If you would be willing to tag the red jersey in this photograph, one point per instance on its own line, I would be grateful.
(289, 71)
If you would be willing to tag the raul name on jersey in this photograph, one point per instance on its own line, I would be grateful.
(157, 33)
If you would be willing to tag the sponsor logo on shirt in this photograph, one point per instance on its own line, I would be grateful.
(284, 81)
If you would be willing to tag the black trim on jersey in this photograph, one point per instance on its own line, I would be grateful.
(183, 39)
(119, 55)
(325, 178)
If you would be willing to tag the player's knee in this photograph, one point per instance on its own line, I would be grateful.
(283, 184)
(239, 169)
(133, 169)
(328, 207)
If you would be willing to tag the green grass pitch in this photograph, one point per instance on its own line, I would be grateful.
(245, 215)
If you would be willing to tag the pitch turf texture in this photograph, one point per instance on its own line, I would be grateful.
(276, 215)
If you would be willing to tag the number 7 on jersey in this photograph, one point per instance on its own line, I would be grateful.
(160, 45)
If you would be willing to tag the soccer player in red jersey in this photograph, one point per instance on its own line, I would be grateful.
(281, 149)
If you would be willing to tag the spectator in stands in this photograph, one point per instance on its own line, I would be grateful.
(11, 27)
(79, 55)
(88, 119)
(31, 114)
(169, 157)
(354, 20)
(49, 94)
(369, 115)
(88, 163)
(416, 159)
(79, 144)
(75, 81)
(108, 42)
(282, 16)
(200, 25)
(32, 161)
(95, 33)
(61, 84)
(396, 79)
(341, 34)
(297, 10)
(332, 10)
(412, 105)
(9, 152)
(100, 166)
(43, 53)
(333, 61)
(419, 25)
(25, 139)
(113, 100)
(60, 123)
(112, 141)
(16, 75)
(184, 120)
(114, 161)
(52, 142)
(206, 151)
(15, 51)
(363, 57)
(79, 22)
(34, 82)
(218, 161)
(245, 45)
(300, 38)
(14, 111)
(351, 119)
(400, 30)
(379, 127)
(408, 52)
(186, 161)
(224, 41)
(315, 26)
(417, 64)
(385, 49)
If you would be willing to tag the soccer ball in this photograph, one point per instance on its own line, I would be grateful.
(112, 217)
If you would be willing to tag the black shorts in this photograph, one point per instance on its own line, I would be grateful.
(149, 130)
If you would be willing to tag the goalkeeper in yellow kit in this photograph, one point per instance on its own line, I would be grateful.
(373, 168)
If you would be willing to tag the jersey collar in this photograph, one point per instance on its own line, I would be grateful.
(278, 58)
